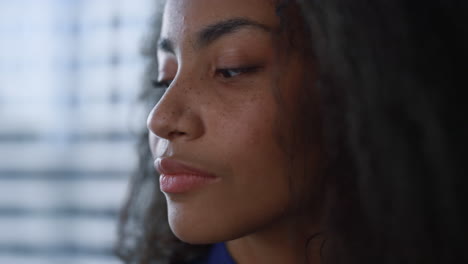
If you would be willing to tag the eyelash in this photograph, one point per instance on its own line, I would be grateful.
(163, 84)
(228, 73)
(225, 73)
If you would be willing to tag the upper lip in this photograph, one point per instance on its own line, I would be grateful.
(169, 166)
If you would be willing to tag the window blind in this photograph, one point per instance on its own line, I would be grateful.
(69, 76)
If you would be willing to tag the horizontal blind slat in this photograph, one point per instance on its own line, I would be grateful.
(39, 232)
(91, 194)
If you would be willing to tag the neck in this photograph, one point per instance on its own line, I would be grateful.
(283, 242)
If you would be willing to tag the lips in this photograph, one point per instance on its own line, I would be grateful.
(176, 177)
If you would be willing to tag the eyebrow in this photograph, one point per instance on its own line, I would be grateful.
(211, 33)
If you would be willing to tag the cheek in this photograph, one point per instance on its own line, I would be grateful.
(254, 190)
(258, 187)
(246, 132)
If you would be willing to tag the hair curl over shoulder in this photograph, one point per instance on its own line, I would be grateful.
(390, 76)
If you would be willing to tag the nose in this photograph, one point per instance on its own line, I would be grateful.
(176, 116)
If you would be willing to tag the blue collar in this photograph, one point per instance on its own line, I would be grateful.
(219, 255)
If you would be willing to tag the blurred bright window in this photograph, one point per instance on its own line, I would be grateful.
(70, 73)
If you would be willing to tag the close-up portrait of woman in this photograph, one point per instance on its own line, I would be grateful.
(307, 131)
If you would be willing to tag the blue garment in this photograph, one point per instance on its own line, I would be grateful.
(218, 255)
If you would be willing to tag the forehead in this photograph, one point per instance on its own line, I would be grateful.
(184, 17)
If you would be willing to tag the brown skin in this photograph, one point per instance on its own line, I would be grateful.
(226, 123)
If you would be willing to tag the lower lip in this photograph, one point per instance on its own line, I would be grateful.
(182, 183)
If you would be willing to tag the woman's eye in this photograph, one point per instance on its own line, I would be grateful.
(163, 84)
(233, 72)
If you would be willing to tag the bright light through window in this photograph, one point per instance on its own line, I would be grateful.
(69, 76)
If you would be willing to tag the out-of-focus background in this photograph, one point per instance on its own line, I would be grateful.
(70, 73)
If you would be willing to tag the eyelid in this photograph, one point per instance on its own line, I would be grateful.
(241, 70)
(167, 70)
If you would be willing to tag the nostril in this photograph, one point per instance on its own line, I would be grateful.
(175, 134)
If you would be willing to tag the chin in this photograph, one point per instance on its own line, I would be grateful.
(193, 233)
(200, 227)
(208, 217)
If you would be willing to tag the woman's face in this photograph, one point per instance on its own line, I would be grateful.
(216, 130)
